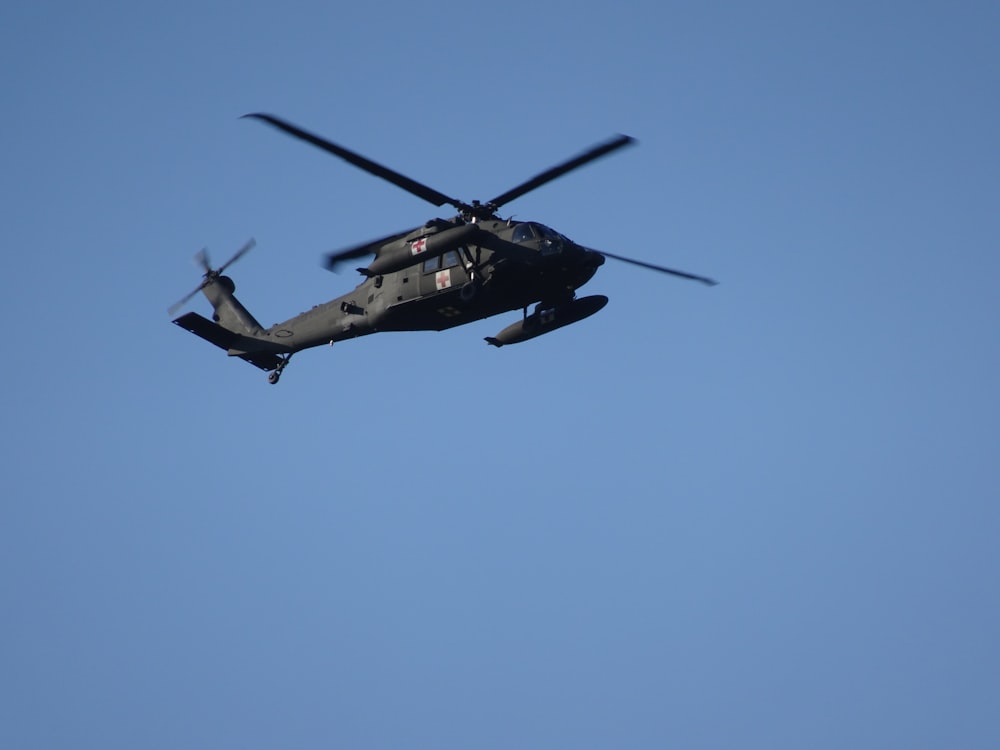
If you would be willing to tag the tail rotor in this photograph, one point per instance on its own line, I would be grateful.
(210, 275)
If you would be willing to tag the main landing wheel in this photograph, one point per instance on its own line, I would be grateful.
(273, 377)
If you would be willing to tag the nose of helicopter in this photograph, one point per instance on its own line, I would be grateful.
(588, 263)
(593, 259)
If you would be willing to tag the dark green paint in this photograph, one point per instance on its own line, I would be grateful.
(443, 274)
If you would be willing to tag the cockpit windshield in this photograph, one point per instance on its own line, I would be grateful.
(523, 233)
(549, 234)
(550, 240)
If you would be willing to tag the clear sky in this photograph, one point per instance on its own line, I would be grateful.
(759, 515)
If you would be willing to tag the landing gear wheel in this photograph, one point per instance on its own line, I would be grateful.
(272, 377)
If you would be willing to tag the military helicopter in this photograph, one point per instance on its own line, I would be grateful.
(442, 274)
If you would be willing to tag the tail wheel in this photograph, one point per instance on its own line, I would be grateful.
(275, 375)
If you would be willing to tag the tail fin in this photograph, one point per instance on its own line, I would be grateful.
(234, 329)
(235, 344)
(229, 312)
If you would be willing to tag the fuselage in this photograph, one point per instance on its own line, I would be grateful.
(463, 284)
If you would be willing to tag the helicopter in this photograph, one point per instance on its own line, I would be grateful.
(442, 274)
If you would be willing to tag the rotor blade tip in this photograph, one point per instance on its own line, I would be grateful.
(263, 117)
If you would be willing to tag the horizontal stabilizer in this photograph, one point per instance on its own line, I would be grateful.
(205, 328)
(263, 360)
(225, 339)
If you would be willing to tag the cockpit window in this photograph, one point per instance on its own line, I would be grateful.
(552, 241)
(550, 234)
(523, 233)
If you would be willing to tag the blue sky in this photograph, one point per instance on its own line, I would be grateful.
(760, 515)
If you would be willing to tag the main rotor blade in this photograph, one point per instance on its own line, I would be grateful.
(411, 186)
(560, 169)
(661, 269)
(333, 260)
